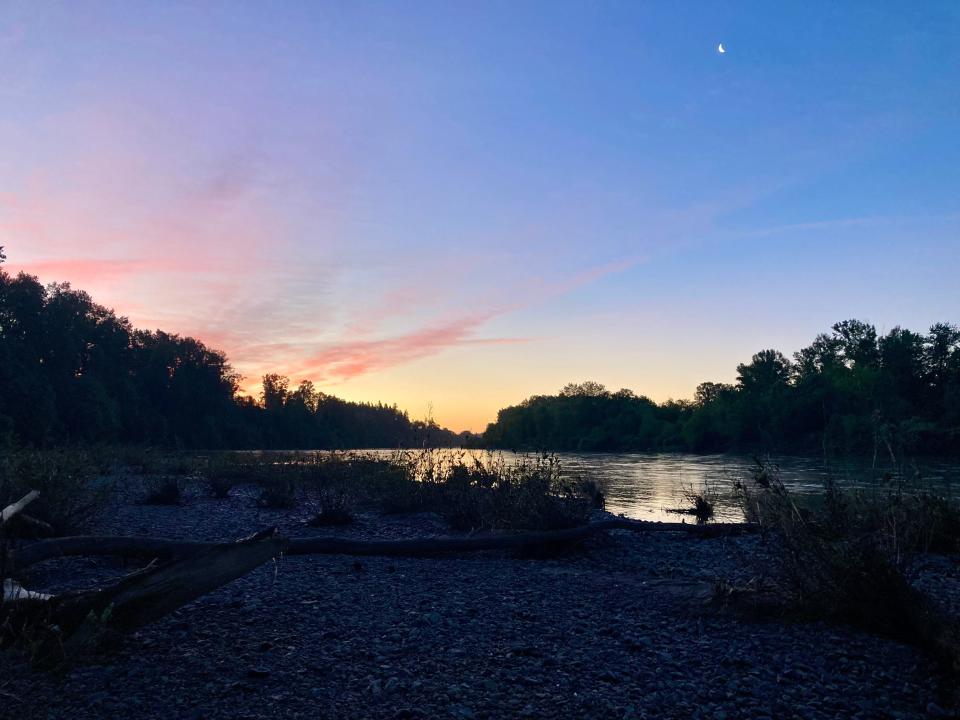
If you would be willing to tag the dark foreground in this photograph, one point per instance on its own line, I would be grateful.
(619, 629)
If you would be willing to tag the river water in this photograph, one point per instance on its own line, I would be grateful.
(647, 485)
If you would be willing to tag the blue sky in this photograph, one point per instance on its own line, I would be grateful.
(464, 204)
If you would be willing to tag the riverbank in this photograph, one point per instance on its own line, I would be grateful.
(622, 627)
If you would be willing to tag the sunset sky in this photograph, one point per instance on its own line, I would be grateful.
(461, 204)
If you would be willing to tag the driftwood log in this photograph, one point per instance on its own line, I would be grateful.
(192, 569)
(27, 527)
(15, 592)
(146, 547)
(135, 600)
(13, 509)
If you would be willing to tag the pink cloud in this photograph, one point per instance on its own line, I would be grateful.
(352, 358)
(196, 241)
(343, 361)
(82, 273)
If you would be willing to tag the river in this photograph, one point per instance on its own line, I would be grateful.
(647, 485)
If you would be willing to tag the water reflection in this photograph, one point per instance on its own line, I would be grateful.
(646, 485)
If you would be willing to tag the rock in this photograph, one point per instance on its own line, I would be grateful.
(409, 714)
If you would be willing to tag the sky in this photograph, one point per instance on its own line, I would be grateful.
(453, 206)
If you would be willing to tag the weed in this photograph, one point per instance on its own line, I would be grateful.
(164, 490)
(334, 509)
(848, 556)
(700, 503)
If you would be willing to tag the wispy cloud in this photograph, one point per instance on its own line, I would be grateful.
(208, 241)
(348, 358)
(343, 361)
(873, 221)
(85, 272)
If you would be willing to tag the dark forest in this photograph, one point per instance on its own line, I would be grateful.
(73, 371)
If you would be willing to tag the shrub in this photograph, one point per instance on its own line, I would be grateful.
(334, 509)
(220, 487)
(590, 489)
(848, 555)
(73, 490)
(528, 495)
(164, 491)
(700, 503)
(279, 494)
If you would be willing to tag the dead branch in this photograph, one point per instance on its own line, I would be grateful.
(420, 547)
(137, 599)
(8, 512)
(15, 592)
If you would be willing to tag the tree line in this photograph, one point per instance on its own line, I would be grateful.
(851, 391)
(73, 372)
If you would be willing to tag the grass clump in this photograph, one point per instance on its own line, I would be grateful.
(164, 490)
(849, 555)
(530, 494)
(220, 487)
(335, 509)
(699, 503)
(280, 495)
(469, 493)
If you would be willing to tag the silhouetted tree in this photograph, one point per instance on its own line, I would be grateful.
(846, 392)
(584, 389)
(72, 371)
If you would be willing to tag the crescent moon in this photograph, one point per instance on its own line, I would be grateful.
(720, 49)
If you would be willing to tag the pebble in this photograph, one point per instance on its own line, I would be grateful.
(596, 633)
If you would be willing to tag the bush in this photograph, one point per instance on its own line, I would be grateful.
(220, 487)
(700, 504)
(528, 495)
(334, 509)
(164, 491)
(848, 555)
(591, 490)
(73, 490)
(280, 494)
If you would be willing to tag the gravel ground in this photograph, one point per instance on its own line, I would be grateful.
(616, 630)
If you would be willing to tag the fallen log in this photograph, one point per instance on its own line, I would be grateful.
(137, 599)
(25, 526)
(15, 592)
(114, 546)
(149, 594)
(420, 547)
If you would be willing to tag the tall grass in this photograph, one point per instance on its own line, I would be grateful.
(471, 493)
(850, 555)
(699, 503)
